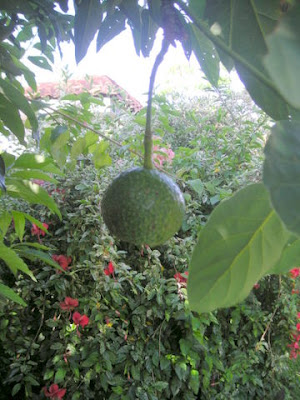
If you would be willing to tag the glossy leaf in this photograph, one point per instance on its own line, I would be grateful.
(18, 99)
(19, 223)
(281, 172)
(7, 292)
(87, 21)
(13, 261)
(241, 242)
(32, 193)
(11, 118)
(290, 257)
(283, 58)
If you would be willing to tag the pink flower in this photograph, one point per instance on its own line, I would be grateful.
(35, 230)
(54, 392)
(298, 327)
(298, 315)
(69, 304)
(110, 269)
(62, 260)
(295, 272)
(79, 319)
(181, 279)
(162, 155)
(39, 182)
(256, 286)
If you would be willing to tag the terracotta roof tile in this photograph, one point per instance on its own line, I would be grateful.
(95, 85)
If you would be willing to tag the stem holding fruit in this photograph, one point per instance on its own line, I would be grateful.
(148, 133)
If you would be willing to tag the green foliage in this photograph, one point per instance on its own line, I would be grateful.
(142, 340)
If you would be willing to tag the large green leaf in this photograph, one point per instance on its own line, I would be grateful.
(282, 170)
(17, 98)
(87, 21)
(40, 62)
(244, 26)
(13, 261)
(36, 161)
(241, 242)
(32, 193)
(289, 258)
(11, 118)
(111, 26)
(206, 55)
(7, 292)
(5, 221)
(283, 58)
(19, 222)
(33, 174)
(33, 255)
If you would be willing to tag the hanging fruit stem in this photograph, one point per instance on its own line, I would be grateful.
(148, 133)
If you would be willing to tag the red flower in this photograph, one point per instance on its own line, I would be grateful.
(298, 327)
(295, 291)
(79, 319)
(35, 230)
(256, 286)
(69, 304)
(54, 392)
(298, 315)
(179, 278)
(295, 272)
(110, 269)
(62, 260)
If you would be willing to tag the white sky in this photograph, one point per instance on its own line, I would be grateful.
(119, 61)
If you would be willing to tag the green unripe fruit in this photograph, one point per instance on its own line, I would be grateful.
(143, 206)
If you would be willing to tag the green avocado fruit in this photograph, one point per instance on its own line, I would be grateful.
(143, 206)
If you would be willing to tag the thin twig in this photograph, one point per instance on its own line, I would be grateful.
(38, 331)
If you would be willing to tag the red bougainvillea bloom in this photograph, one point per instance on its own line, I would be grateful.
(62, 260)
(179, 278)
(295, 272)
(68, 304)
(110, 269)
(54, 392)
(79, 319)
(35, 230)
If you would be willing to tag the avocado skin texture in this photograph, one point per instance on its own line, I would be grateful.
(143, 206)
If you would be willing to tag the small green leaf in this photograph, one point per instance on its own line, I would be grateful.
(19, 222)
(16, 389)
(48, 374)
(281, 172)
(194, 381)
(11, 295)
(241, 242)
(60, 375)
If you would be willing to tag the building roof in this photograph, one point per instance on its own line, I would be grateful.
(95, 85)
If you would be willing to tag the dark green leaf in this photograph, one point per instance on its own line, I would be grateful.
(283, 58)
(5, 220)
(19, 100)
(40, 62)
(111, 26)
(281, 172)
(17, 386)
(194, 381)
(11, 118)
(241, 242)
(11, 295)
(60, 375)
(88, 18)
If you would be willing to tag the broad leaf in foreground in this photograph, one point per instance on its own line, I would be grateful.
(241, 242)
(282, 171)
(7, 292)
(290, 257)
